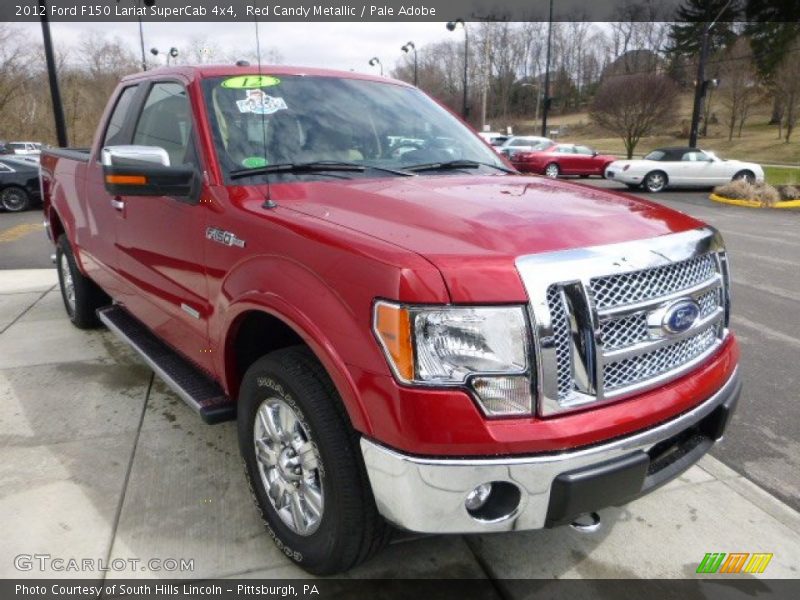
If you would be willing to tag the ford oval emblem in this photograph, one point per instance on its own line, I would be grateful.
(680, 316)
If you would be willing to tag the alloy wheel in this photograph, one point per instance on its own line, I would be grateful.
(289, 466)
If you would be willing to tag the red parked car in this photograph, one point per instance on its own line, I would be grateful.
(563, 159)
(406, 330)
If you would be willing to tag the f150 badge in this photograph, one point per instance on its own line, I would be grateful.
(223, 237)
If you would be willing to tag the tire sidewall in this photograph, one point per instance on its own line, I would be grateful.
(265, 380)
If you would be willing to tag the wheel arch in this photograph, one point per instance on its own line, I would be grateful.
(255, 329)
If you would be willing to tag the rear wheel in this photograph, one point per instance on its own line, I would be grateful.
(304, 466)
(745, 175)
(15, 199)
(552, 170)
(82, 297)
(655, 181)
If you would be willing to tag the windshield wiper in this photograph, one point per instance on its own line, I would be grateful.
(456, 164)
(318, 166)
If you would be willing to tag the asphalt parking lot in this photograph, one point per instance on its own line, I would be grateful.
(114, 465)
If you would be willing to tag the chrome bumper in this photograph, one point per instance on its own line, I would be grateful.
(427, 494)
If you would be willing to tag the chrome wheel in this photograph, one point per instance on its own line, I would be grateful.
(67, 284)
(551, 170)
(289, 466)
(655, 182)
(14, 199)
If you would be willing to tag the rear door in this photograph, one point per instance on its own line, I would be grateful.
(160, 239)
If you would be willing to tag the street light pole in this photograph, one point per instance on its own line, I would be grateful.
(376, 61)
(546, 102)
(451, 26)
(405, 49)
(55, 93)
(701, 84)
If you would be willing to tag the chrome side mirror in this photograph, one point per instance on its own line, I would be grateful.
(114, 156)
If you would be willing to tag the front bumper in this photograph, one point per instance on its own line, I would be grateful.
(427, 494)
(616, 174)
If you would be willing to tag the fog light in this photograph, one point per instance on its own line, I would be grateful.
(478, 497)
(504, 396)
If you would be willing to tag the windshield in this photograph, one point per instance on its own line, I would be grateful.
(260, 120)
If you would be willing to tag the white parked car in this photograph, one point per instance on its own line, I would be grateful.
(524, 143)
(681, 167)
(493, 138)
(26, 148)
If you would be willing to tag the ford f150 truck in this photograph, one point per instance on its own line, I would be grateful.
(408, 332)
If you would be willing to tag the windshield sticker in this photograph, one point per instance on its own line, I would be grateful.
(259, 103)
(253, 162)
(247, 82)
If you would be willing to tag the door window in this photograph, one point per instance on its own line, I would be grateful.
(166, 122)
(114, 133)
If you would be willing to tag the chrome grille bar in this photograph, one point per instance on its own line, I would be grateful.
(600, 334)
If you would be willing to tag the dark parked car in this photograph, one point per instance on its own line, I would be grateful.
(19, 184)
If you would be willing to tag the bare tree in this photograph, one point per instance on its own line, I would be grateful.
(738, 87)
(633, 106)
(787, 84)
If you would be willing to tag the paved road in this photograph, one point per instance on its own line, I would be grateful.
(763, 441)
(23, 242)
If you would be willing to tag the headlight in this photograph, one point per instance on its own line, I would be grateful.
(483, 348)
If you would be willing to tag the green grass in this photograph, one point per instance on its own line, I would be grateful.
(779, 175)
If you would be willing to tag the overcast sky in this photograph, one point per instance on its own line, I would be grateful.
(331, 45)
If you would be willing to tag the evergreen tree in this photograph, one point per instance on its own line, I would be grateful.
(693, 16)
(772, 26)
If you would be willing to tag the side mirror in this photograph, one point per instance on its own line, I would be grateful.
(146, 171)
(594, 152)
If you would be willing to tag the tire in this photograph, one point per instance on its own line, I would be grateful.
(15, 199)
(340, 527)
(81, 296)
(745, 175)
(552, 170)
(655, 181)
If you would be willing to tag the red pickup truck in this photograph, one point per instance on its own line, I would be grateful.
(408, 332)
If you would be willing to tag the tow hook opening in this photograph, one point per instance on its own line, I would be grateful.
(586, 523)
(493, 501)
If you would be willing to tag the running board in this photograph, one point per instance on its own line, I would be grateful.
(194, 387)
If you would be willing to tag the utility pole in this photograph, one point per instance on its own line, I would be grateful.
(546, 102)
(700, 84)
(55, 93)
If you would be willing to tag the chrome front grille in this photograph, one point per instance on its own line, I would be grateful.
(602, 315)
(651, 364)
(629, 288)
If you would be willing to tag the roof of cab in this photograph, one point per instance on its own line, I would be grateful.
(193, 72)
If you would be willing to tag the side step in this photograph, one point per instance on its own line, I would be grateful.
(194, 387)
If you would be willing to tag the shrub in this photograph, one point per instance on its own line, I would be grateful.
(788, 192)
(763, 193)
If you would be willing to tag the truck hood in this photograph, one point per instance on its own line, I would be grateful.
(473, 228)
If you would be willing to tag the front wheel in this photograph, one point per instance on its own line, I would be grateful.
(747, 176)
(15, 199)
(82, 297)
(552, 170)
(304, 466)
(655, 182)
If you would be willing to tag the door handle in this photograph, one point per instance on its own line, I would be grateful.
(118, 204)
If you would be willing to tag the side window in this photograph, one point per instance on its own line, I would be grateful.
(114, 132)
(584, 150)
(166, 122)
(565, 149)
(693, 157)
